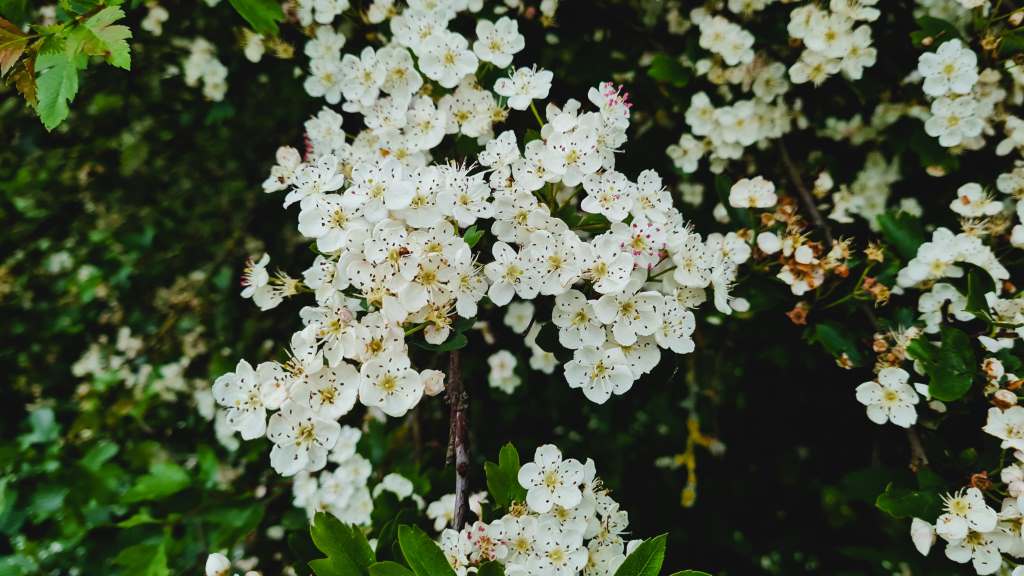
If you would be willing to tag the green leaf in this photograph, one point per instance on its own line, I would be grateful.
(163, 480)
(901, 231)
(229, 524)
(56, 86)
(1011, 44)
(907, 503)
(665, 68)
(646, 560)
(950, 366)
(337, 566)
(389, 568)
(937, 29)
(837, 341)
(138, 519)
(979, 283)
(691, 573)
(345, 546)
(144, 560)
(457, 341)
(262, 15)
(472, 235)
(47, 501)
(98, 455)
(12, 45)
(99, 36)
(17, 11)
(421, 553)
(503, 477)
(387, 538)
(952, 375)
(491, 569)
(929, 152)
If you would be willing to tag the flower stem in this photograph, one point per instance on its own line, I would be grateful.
(536, 114)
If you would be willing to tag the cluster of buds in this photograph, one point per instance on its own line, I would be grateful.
(891, 347)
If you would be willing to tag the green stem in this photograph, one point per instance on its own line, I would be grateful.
(536, 114)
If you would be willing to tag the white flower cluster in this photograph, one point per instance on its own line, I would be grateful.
(202, 66)
(973, 531)
(938, 258)
(342, 491)
(723, 133)
(833, 42)
(568, 525)
(964, 100)
(156, 15)
(393, 260)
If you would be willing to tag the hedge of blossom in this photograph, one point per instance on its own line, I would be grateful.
(705, 243)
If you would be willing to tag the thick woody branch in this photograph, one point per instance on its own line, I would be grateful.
(458, 438)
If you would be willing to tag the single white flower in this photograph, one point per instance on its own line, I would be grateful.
(890, 399)
(549, 480)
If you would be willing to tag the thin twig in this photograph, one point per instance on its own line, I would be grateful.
(805, 195)
(458, 438)
(918, 457)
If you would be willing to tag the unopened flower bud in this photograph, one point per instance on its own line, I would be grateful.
(433, 382)
(993, 369)
(981, 481)
(1016, 18)
(1004, 399)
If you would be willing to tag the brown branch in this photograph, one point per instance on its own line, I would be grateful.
(806, 198)
(458, 438)
(918, 457)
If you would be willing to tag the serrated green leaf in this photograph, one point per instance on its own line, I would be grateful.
(56, 86)
(262, 15)
(421, 553)
(344, 545)
(99, 36)
(646, 560)
(389, 568)
(503, 477)
(164, 479)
